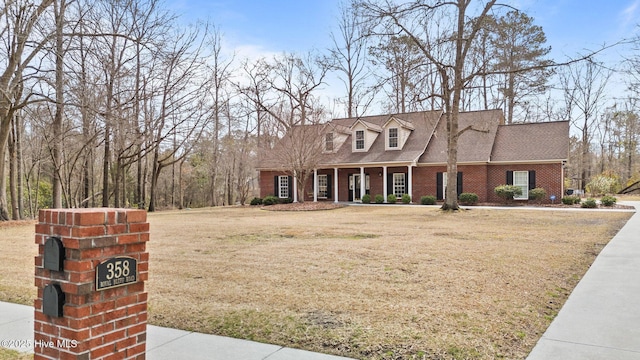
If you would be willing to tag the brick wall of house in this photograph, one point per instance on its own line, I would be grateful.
(474, 179)
(548, 177)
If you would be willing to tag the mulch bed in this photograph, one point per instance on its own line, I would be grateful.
(323, 205)
(304, 206)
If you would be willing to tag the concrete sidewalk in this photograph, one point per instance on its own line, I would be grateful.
(601, 318)
(16, 332)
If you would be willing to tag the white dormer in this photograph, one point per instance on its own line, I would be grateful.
(334, 139)
(363, 134)
(396, 133)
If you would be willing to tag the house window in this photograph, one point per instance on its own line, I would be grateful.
(393, 138)
(328, 142)
(521, 180)
(322, 186)
(398, 184)
(359, 139)
(444, 185)
(283, 187)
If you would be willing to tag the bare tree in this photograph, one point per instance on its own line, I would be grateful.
(22, 40)
(349, 60)
(584, 85)
(447, 48)
(179, 111)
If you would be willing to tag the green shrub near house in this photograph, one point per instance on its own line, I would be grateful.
(379, 199)
(507, 192)
(256, 201)
(392, 198)
(589, 203)
(537, 194)
(428, 200)
(406, 198)
(270, 200)
(608, 200)
(571, 200)
(468, 198)
(366, 199)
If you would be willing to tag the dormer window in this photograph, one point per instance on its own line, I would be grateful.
(328, 142)
(359, 139)
(393, 138)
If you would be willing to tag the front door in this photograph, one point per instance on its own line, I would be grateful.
(354, 186)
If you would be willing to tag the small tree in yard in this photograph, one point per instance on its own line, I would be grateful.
(507, 192)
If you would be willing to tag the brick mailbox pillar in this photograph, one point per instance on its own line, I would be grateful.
(90, 273)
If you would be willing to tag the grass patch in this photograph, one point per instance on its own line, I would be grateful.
(6, 354)
(417, 283)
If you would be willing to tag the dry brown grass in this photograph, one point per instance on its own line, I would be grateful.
(373, 282)
(365, 282)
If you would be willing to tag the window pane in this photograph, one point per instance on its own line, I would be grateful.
(398, 184)
(360, 139)
(328, 142)
(322, 186)
(284, 187)
(393, 138)
(521, 180)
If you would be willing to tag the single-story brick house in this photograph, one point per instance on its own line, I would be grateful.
(407, 154)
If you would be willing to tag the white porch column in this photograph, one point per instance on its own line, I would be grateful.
(410, 180)
(335, 184)
(362, 183)
(295, 188)
(315, 185)
(384, 183)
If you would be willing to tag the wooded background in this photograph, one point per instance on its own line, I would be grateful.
(117, 103)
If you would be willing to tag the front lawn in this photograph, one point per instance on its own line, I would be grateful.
(364, 282)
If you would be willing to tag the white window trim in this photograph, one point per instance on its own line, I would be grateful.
(397, 138)
(524, 184)
(283, 185)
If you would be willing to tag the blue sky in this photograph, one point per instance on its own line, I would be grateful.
(275, 26)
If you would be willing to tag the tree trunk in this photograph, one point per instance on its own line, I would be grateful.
(105, 166)
(56, 147)
(13, 164)
(4, 137)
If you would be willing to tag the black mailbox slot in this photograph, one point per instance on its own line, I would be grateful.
(52, 300)
(53, 254)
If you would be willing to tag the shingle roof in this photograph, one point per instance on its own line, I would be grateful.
(484, 140)
(532, 142)
(423, 123)
(474, 145)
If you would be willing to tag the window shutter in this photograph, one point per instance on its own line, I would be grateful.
(291, 187)
(532, 179)
(439, 194)
(389, 183)
(459, 189)
(329, 192)
(276, 189)
(509, 177)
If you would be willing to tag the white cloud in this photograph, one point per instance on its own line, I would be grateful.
(630, 14)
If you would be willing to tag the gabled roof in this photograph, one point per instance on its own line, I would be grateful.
(368, 125)
(404, 124)
(532, 142)
(474, 145)
(423, 122)
(485, 140)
